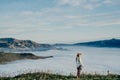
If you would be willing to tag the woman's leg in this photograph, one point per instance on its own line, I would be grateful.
(78, 73)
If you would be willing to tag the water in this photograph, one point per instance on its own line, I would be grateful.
(97, 60)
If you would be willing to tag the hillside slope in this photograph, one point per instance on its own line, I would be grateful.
(8, 57)
(15, 43)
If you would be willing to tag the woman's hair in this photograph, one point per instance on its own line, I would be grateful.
(78, 54)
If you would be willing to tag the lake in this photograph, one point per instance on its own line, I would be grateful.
(95, 60)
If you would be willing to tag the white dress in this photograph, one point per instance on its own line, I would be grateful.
(78, 62)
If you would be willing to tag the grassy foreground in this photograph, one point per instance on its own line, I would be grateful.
(48, 76)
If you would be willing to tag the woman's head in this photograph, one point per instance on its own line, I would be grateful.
(79, 54)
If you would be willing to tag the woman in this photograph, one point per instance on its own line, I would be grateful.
(79, 64)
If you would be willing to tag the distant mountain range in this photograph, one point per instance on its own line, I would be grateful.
(102, 43)
(13, 43)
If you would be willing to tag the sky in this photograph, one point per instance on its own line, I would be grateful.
(60, 21)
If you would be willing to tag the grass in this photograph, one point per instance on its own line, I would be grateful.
(48, 76)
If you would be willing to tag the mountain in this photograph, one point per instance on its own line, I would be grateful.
(102, 43)
(8, 57)
(63, 44)
(15, 43)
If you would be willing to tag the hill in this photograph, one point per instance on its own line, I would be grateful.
(102, 43)
(8, 57)
(13, 43)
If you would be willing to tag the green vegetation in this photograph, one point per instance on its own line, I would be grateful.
(48, 76)
(8, 57)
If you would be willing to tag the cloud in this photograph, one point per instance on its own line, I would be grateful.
(107, 1)
(64, 19)
(69, 2)
(53, 19)
(87, 4)
(98, 20)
